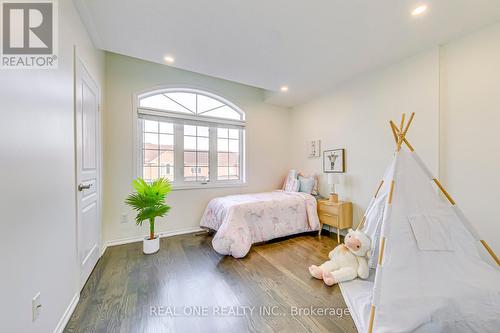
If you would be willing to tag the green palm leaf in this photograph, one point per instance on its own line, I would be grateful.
(149, 200)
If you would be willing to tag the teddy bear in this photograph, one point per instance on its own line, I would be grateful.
(347, 261)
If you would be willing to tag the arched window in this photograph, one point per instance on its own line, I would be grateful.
(192, 137)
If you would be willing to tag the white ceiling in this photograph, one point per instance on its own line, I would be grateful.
(308, 45)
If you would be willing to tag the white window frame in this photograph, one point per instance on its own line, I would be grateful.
(181, 119)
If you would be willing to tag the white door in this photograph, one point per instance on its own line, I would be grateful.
(88, 171)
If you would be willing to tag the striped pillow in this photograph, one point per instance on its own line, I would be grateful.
(291, 183)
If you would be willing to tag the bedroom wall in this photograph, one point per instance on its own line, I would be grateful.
(38, 237)
(356, 115)
(470, 118)
(454, 91)
(267, 148)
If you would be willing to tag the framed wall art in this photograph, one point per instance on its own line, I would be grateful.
(314, 149)
(334, 161)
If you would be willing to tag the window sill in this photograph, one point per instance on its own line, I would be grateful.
(207, 186)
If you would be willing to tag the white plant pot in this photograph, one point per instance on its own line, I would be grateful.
(150, 246)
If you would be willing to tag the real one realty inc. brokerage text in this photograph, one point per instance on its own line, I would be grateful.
(242, 310)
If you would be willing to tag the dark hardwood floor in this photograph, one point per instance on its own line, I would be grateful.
(132, 292)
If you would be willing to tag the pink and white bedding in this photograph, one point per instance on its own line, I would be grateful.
(242, 220)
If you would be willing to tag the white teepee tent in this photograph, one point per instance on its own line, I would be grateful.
(433, 271)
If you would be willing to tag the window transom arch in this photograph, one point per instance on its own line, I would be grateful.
(192, 102)
(192, 137)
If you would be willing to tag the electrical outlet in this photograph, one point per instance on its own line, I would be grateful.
(124, 218)
(36, 306)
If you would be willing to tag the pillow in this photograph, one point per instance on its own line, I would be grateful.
(307, 184)
(291, 183)
(315, 190)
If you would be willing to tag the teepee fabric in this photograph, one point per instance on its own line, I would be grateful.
(431, 273)
(444, 287)
(375, 214)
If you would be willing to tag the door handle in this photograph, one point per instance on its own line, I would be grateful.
(82, 187)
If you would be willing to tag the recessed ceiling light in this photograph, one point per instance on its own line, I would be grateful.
(284, 89)
(169, 59)
(419, 10)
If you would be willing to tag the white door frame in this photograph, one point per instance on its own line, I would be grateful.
(79, 70)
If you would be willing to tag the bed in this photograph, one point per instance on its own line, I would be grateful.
(242, 220)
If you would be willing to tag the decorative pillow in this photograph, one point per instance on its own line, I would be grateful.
(293, 174)
(306, 184)
(314, 190)
(291, 183)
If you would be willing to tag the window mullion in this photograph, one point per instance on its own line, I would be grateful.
(242, 156)
(140, 146)
(178, 153)
(212, 142)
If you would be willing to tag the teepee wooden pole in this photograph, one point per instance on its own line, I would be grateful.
(380, 260)
(378, 188)
(362, 223)
(372, 317)
(490, 251)
(400, 142)
(395, 130)
(382, 241)
(403, 134)
(394, 127)
(408, 144)
(390, 192)
(381, 254)
(483, 242)
(409, 123)
(402, 130)
(394, 133)
(446, 194)
(450, 199)
(400, 133)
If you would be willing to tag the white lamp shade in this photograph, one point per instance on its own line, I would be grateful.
(333, 179)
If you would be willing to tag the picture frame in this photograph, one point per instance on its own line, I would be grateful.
(314, 148)
(334, 161)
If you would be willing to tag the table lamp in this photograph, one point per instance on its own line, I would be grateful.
(333, 179)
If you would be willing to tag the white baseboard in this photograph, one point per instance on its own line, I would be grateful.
(67, 314)
(134, 239)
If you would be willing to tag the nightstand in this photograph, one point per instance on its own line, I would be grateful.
(335, 214)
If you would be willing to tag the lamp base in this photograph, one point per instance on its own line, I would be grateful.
(334, 197)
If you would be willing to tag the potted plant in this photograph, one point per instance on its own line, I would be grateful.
(149, 202)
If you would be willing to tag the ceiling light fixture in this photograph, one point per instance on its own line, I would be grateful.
(419, 10)
(169, 59)
(284, 89)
